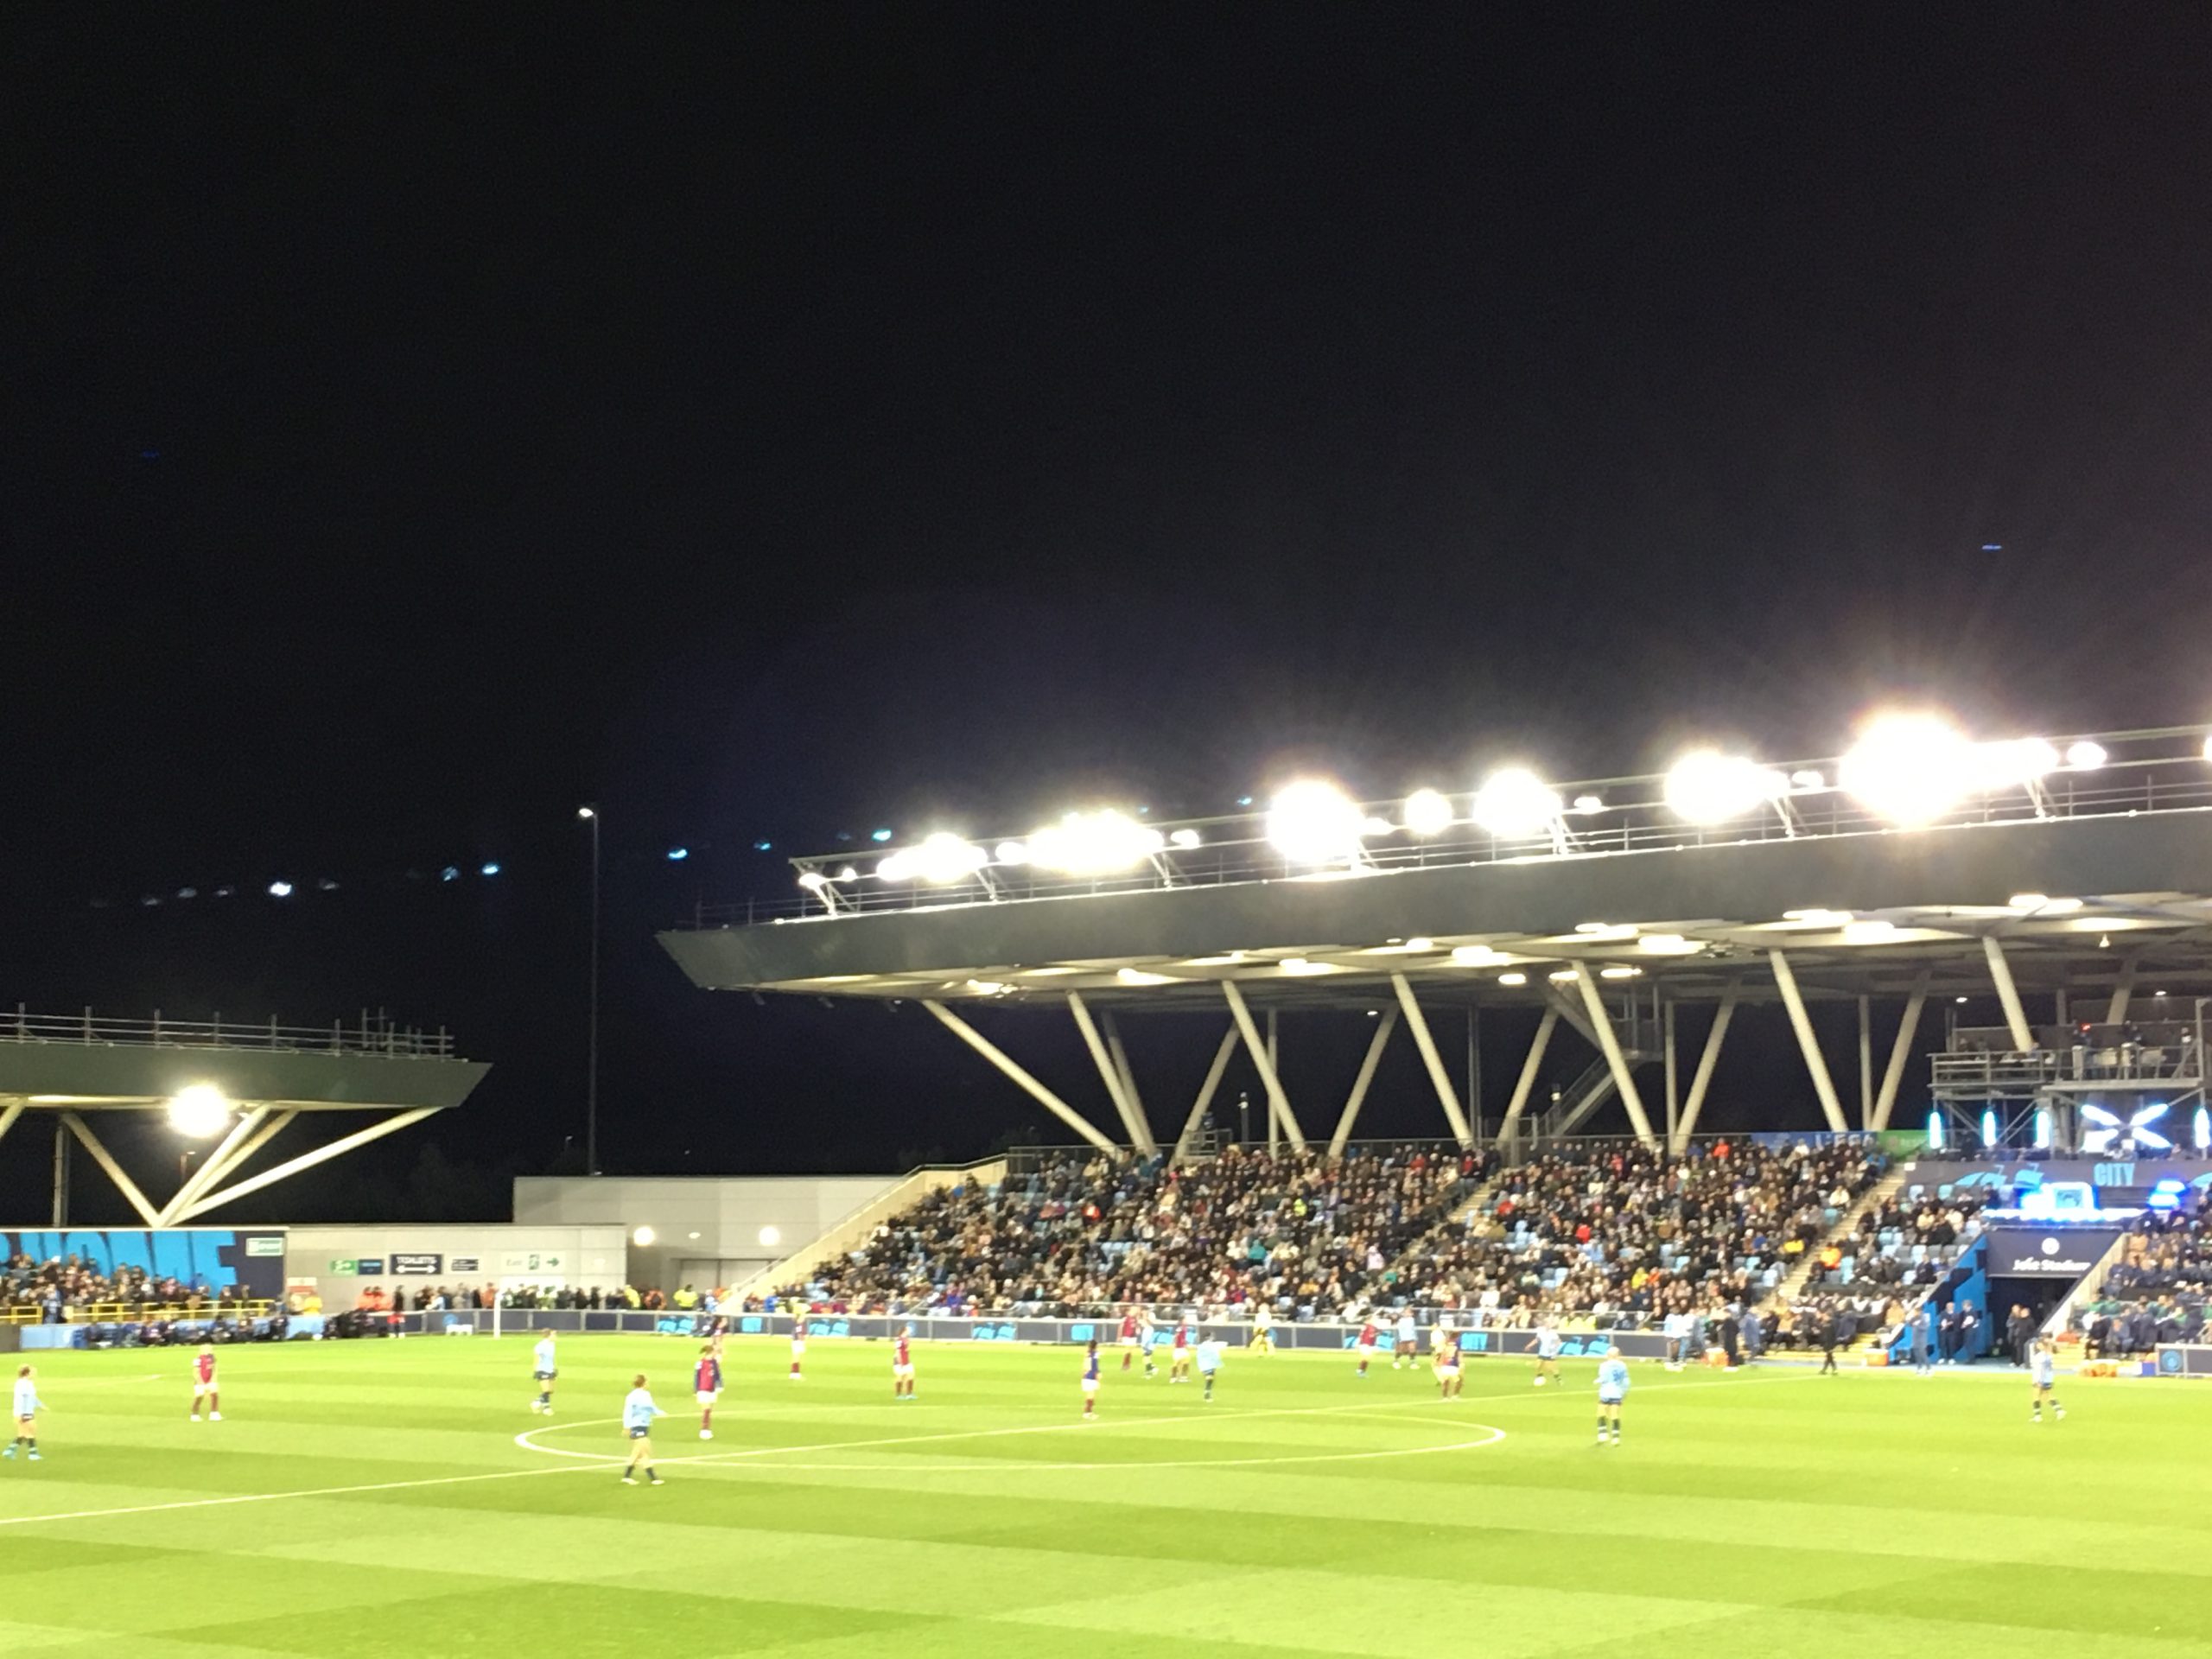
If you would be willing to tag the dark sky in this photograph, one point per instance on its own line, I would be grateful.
(777, 421)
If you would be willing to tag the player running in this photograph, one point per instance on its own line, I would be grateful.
(26, 1409)
(1612, 1389)
(1148, 1339)
(1447, 1361)
(203, 1386)
(1128, 1339)
(1547, 1347)
(1209, 1363)
(638, 1414)
(1091, 1381)
(2045, 1366)
(1369, 1336)
(902, 1365)
(1263, 1329)
(1178, 1353)
(707, 1387)
(798, 1346)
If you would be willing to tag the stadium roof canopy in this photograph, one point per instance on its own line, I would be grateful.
(232, 1086)
(2090, 871)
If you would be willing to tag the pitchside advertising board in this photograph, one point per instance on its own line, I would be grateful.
(207, 1258)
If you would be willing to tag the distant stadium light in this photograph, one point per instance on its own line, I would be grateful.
(488, 869)
(1619, 971)
(1427, 812)
(1563, 976)
(1314, 822)
(1011, 852)
(813, 881)
(1515, 978)
(1103, 843)
(1909, 769)
(1935, 1130)
(587, 813)
(1808, 779)
(2207, 748)
(2085, 756)
(2202, 1134)
(2014, 763)
(643, 1237)
(199, 1111)
(1667, 944)
(879, 837)
(280, 889)
(770, 846)
(2043, 1128)
(1705, 786)
(2029, 900)
(451, 873)
(1477, 956)
(1186, 839)
(771, 1237)
(678, 855)
(941, 859)
(1588, 804)
(1514, 804)
(846, 873)
(1246, 800)
(1989, 1134)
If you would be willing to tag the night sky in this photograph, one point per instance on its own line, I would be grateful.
(777, 422)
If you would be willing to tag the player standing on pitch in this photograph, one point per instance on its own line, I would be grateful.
(1128, 1339)
(638, 1414)
(2044, 1364)
(543, 1370)
(798, 1345)
(1178, 1353)
(1447, 1365)
(1369, 1336)
(26, 1408)
(1547, 1351)
(1209, 1362)
(902, 1364)
(1263, 1329)
(1090, 1382)
(1612, 1389)
(707, 1387)
(203, 1386)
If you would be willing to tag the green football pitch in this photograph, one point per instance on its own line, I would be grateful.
(373, 1499)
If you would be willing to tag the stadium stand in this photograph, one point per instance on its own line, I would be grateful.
(2157, 1292)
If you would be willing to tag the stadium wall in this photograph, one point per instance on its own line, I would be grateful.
(707, 1229)
(340, 1261)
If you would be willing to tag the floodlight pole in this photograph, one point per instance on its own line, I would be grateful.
(60, 1174)
(591, 1063)
(1527, 1083)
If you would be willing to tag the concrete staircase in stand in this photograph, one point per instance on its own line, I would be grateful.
(1793, 1283)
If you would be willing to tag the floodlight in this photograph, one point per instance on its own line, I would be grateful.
(1910, 769)
(2207, 748)
(1563, 976)
(280, 889)
(199, 1111)
(1186, 839)
(942, 858)
(643, 1237)
(1514, 804)
(2043, 1128)
(2085, 756)
(771, 1237)
(1588, 804)
(2029, 900)
(1477, 956)
(1011, 852)
(1989, 1133)
(1936, 1131)
(846, 873)
(1314, 822)
(2014, 763)
(586, 813)
(1513, 979)
(1808, 779)
(1094, 843)
(1427, 812)
(1420, 945)
(1705, 786)
(813, 881)
(1669, 945)
(488, 869)
(678, 855)
(1618, 972)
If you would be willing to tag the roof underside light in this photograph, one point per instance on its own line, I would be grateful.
(1909, 769)
(2084, 756)
(1515, 804)
(1667, 944)
(1314, 822)
(940, 859)
(1427, 812)
(1705, 786)
(1515, 978)
(1094, 843)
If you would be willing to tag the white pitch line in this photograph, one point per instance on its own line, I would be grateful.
(582, 1468)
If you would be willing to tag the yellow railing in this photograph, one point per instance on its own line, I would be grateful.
(115, 1312)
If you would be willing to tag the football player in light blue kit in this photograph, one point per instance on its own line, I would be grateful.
(1612, 1389)
(1209, 1363)
(543, 1371)
(2045, 1366)
(638, 1414)
(27, 1406)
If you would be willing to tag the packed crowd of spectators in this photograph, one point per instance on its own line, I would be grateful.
(1626, 1235)
(1294, 1230)
(2159, 1291)
(1906, 1242)
(62, 1285)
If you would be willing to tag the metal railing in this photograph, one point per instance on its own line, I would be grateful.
(370, 1034)
(127, 1313)
(2157, 770)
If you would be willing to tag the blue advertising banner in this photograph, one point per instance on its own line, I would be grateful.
(209, 1259)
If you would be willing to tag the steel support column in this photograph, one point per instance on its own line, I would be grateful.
(1229, 1041)
(1127, 1074)
(2016, 1017)
(237, 1147)
(1140, 1136)
(1624, 1079)
(1446, 1096)
(1802, 1023)
(1385, 1023)
(2124, 987)
(1278, 1103)
(308, 1161)
(1673, 1092)
(8, 1114)
(1708, 1059)
(1036, 1090)
(115, 1173)
(1901, 1050)
(1527, 1081)
(1865, 1063)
